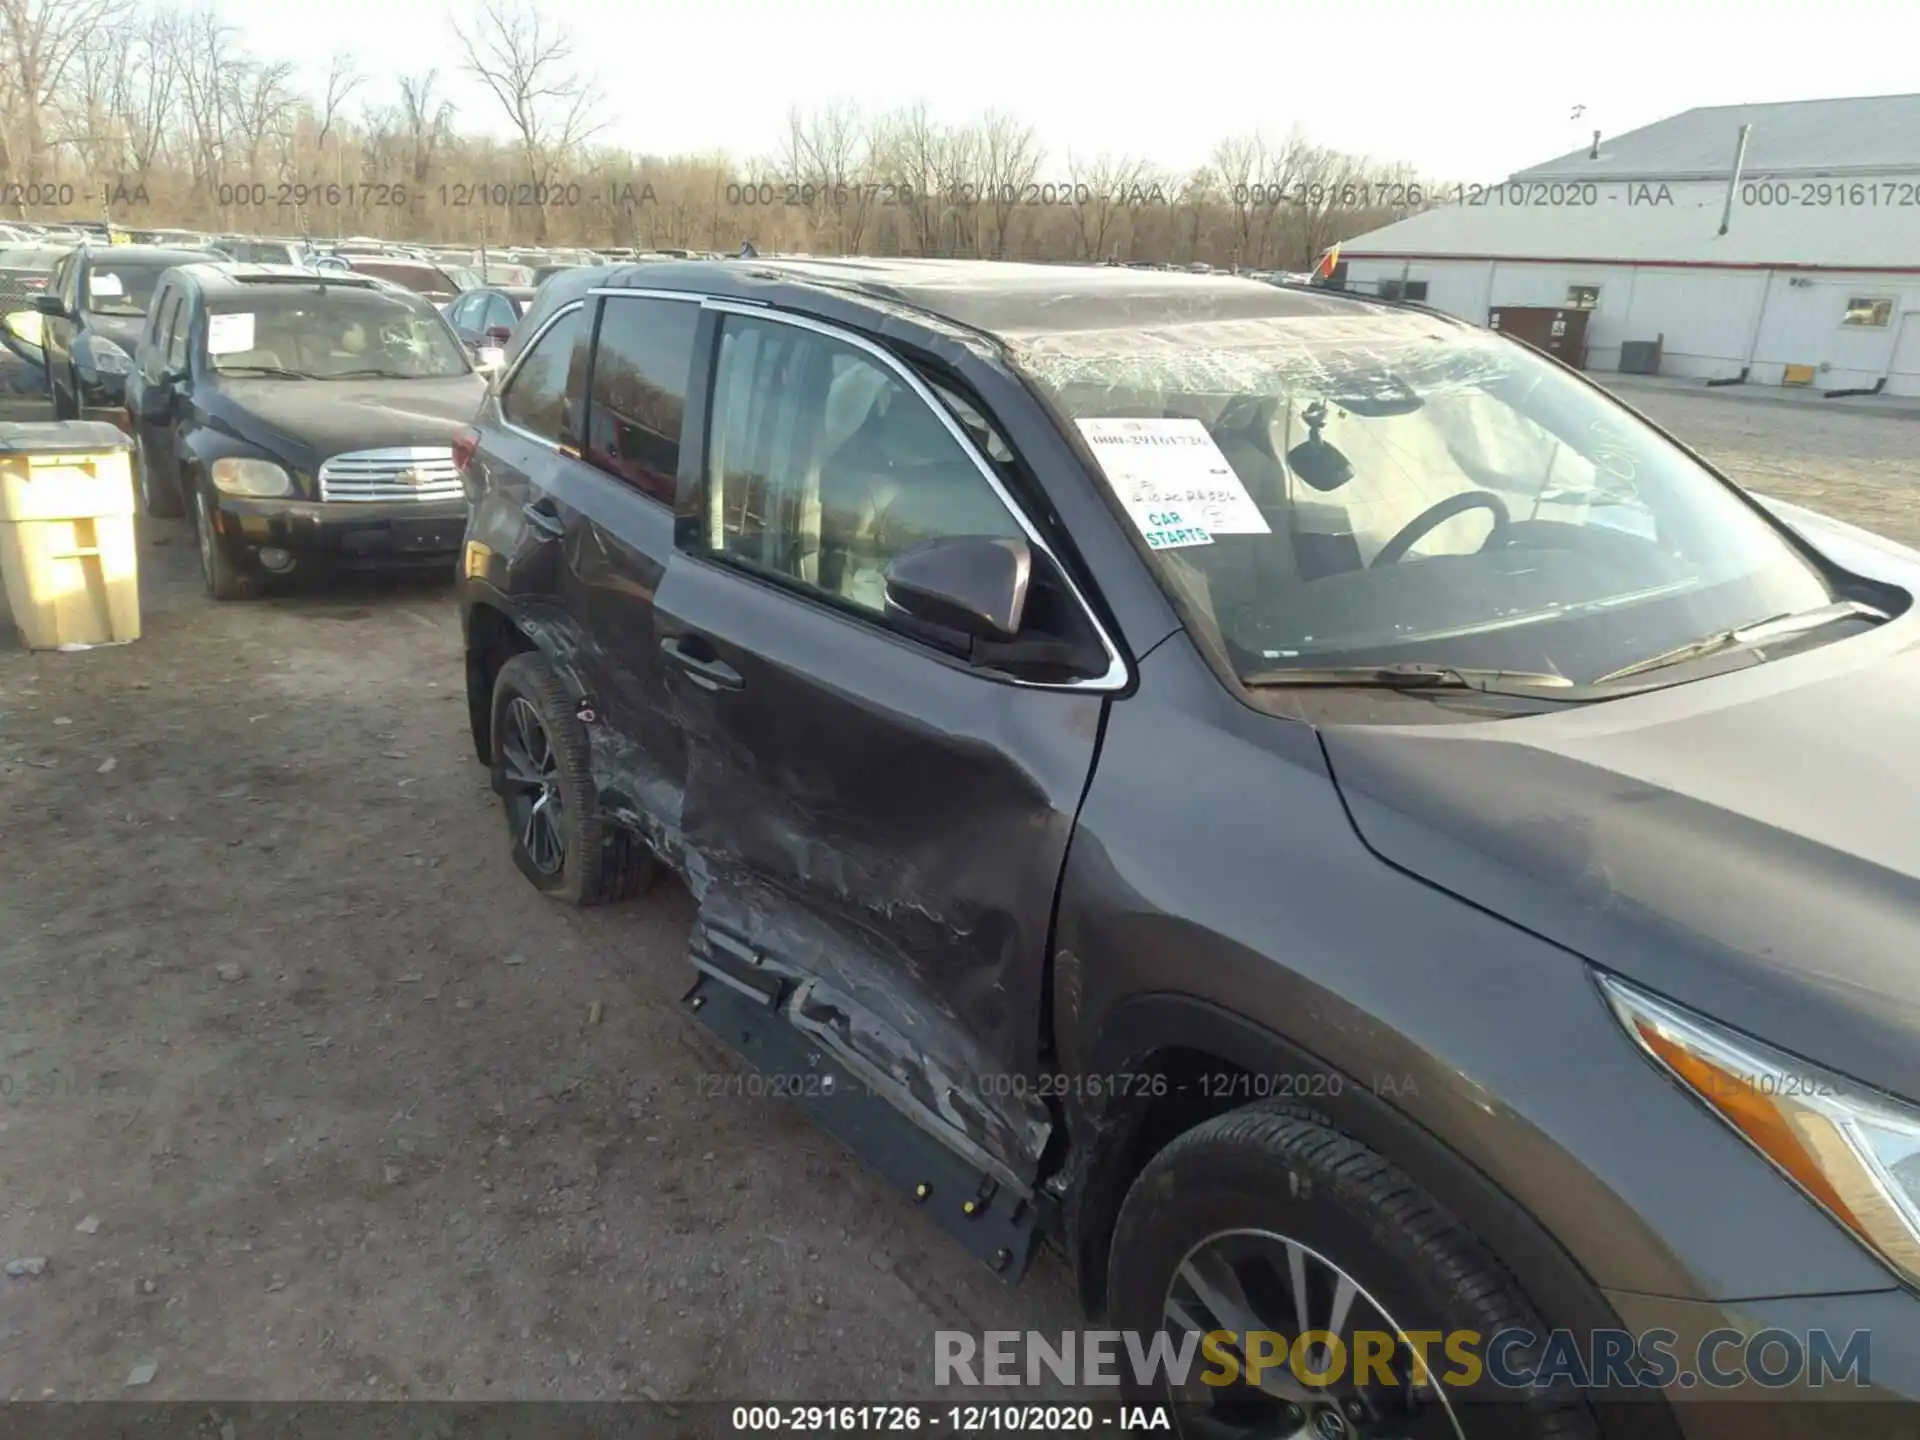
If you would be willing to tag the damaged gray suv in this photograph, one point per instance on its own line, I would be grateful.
(1312, 808)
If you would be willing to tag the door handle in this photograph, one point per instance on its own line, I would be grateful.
(544, 518)
(703, 667)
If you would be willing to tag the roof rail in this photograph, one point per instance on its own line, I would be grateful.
(309, 277)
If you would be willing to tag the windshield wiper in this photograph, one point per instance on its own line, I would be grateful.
(379, 371)
(264, 370)
(1420, 676)
(1774, 627)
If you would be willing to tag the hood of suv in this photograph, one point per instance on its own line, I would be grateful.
(302, 422)
(1747, 844)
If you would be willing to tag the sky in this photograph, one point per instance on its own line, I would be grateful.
(1468, 91)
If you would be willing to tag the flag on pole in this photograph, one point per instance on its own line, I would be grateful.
(1328, 263)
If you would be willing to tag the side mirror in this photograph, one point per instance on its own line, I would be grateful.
(975, 585)
(23, 333)
(52, 306)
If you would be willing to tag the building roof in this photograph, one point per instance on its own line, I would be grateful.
(1616, 230)
(1859, 135)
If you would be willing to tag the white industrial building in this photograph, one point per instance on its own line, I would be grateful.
(1810, 276)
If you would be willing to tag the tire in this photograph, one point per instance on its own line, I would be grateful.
(217, 571)
(159, 494)
(1272, 1169)
(585, 859)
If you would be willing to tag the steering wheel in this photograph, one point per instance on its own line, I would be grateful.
(1434, 516)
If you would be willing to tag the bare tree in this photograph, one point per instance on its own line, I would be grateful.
(1102, 191)
(260, 104)
(1198, 194)
(1239, 163)
(528, 64)
(343, 78)
(1010, 157)
(831, 150)
(146, 96)
(206, 50)
(427, 121)
(89, 106)
(917, 163)
(40, 43)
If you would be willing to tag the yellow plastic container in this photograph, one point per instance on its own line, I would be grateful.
(67, 548)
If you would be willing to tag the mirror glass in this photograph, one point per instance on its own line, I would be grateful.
(26, 326)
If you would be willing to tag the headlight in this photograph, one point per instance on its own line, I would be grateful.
(106, 357)
(1854, 1151)
(260, 478)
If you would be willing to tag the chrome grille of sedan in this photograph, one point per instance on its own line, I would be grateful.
(413, 472)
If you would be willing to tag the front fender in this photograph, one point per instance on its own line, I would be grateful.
(1215, 862)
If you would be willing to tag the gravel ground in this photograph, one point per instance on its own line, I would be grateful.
(302, 1092)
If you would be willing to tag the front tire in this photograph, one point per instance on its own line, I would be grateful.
(1267, 1220)
(561, 842)
(217, 571)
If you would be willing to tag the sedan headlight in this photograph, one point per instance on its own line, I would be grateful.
(1854, 1151)
(261, 479)
(105, 357)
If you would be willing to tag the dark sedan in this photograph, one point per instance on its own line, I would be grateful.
(304, 421)
(1402, 870)
(485, 319)
(422, 277)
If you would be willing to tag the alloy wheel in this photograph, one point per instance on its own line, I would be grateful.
(531, 774)
(1250, 1282)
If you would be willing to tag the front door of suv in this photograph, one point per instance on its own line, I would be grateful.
(866, 810)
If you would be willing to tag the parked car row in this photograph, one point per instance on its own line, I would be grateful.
(301, 418)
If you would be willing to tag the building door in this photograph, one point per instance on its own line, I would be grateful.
(1903, 371)
(1561, 333)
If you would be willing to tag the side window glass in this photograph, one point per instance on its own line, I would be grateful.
(179, 326)
(499, 313)
(160, 314)
(823, 465)
(536, 399)
(462, 313)
(641, 363)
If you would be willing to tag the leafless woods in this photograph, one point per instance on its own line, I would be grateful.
(153, 113)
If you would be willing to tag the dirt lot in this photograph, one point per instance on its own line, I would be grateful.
(300, 1096)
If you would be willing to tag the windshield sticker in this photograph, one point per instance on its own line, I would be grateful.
(1162, 468)
(1166, 528)
(230, 334)
(106, 285)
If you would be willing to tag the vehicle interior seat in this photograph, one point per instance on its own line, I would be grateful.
(899, 478)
